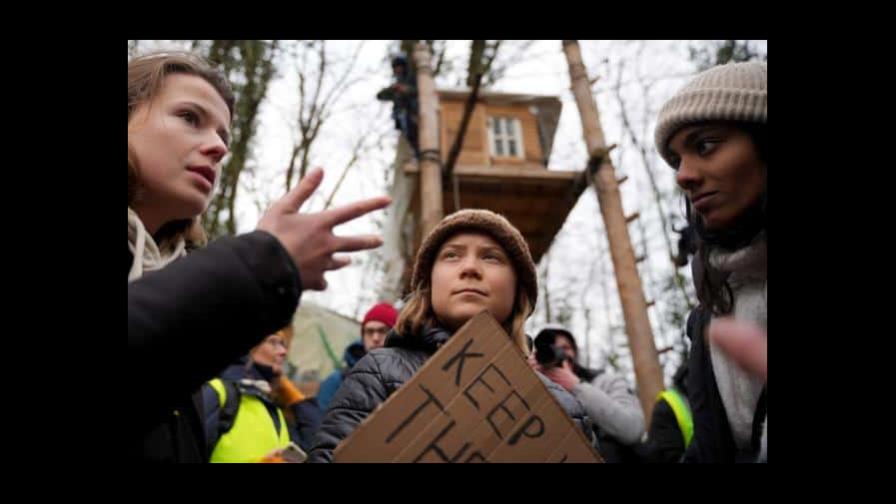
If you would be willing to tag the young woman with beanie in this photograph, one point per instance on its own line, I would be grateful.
(713, 133)
(473, 260)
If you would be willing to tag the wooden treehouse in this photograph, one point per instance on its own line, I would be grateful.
(502, 167)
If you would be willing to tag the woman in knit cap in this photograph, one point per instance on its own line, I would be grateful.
(474, 260)
(190, 316)
(713, 133)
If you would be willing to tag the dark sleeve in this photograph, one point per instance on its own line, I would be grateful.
(572, 406)
(308, 416)
(212, 410)
(712, 441)
(665, 442)
(386, 94)
(187, 322)
(327, 388)
(362, 390)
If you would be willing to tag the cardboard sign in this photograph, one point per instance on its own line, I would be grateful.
(475, 400)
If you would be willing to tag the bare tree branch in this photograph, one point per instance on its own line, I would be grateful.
(477, 68)
(313, 114)
(648, 167)
(546, 292)
(497, 72)
(356, 154)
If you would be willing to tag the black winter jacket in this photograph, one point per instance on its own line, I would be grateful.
(381, 372)
(189, 321)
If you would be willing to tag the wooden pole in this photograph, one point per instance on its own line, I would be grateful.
(648, 374)
(430, 162)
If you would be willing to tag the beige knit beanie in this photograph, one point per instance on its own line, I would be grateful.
(731, 92)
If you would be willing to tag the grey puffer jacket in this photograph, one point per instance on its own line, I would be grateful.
(611, 405)
(381, 372)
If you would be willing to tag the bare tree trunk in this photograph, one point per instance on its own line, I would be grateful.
(256, 67)
(546, 294)
(430, 162)
(291, 166)
(634, 306)
(475, 79)
(478, 67)
(408, 47)
(657, 195)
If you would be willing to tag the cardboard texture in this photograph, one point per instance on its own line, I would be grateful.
(475, 400)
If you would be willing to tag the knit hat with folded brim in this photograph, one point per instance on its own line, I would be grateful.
(492, 224)
(733, 92)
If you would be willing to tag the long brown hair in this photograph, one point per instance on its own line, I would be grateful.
(146, 74)
(713, 290)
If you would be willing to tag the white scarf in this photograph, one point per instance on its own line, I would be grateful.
(740, 391)
(147, 255)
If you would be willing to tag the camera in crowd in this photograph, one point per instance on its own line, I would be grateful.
(550, 355)
(546, 353)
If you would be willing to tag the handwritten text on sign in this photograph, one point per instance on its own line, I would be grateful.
(475, 400)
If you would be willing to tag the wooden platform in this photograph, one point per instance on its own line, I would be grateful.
(537, 201)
